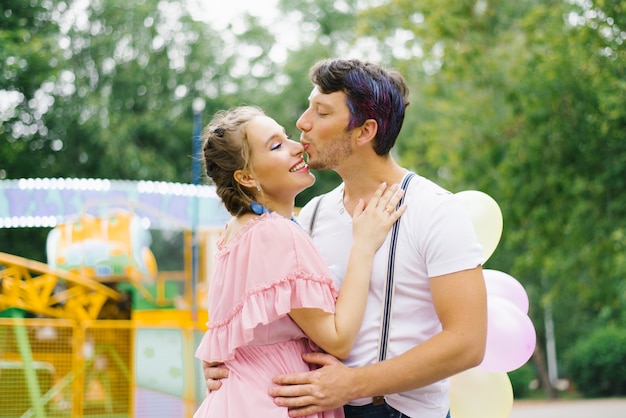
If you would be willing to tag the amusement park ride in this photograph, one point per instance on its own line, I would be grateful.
(98, 330)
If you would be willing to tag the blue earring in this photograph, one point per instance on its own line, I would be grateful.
(258, 208)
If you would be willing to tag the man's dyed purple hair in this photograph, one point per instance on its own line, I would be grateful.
(372, 92)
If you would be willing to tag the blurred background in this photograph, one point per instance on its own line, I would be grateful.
(523, 100)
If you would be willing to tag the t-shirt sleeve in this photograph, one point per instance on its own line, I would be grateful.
(450, 243)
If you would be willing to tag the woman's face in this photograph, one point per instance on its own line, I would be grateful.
(277, 162)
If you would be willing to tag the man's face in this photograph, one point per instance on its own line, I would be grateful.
(323, 126)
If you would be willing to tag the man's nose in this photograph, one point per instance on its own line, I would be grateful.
(302, 123)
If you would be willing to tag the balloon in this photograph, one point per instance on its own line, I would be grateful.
(505, 286)
(486, 218)
(477, 393)
(511, 337)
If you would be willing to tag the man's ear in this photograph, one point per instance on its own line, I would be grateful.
(244, 178)
(367, 132)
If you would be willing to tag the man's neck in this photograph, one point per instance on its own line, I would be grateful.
(363, 181)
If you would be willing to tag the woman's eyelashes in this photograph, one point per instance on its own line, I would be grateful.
(277, 145)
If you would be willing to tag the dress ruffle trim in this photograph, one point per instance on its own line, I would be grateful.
(224, 248)
(264, 305)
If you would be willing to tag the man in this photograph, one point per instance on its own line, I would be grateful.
(438, 318)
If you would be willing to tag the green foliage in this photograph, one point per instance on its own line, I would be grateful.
(522, 100)
(330, 19)
(112, 99)
(28, 44)
(521, 379)
(104, 90)
(24, 242)
(525, 101)
(597, 363)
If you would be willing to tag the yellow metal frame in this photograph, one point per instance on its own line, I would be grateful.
(71, 303)
(75, 369)
(29, 285)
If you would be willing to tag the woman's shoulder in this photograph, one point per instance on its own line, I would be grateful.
(273, 232)
(238, 227)
(273, 225)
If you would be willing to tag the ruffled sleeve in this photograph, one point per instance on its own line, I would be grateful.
(271, 268)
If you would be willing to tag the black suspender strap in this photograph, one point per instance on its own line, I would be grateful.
(314, 215)
(384, 329)
(384, 326)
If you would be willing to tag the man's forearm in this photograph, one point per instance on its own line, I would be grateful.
(434, 360)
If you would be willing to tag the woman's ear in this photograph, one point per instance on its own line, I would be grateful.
(367, 132)
(244, 178)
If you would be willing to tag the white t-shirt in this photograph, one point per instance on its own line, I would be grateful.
(436, 237)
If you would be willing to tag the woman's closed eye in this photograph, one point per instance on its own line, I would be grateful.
(278, 145)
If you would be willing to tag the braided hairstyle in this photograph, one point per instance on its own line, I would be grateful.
(226, 150)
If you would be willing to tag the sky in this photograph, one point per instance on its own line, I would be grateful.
(220, 13)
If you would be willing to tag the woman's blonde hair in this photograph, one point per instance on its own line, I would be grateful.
(226, 150)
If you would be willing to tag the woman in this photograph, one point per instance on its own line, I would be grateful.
(272, 297)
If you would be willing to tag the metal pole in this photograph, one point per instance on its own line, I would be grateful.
(26, 354)
(551, 346)
(197, 107)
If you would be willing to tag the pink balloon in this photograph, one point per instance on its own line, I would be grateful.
(507, 287)
(511, 337)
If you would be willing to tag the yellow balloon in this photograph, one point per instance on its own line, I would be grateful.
(486, 217)
(476, 393)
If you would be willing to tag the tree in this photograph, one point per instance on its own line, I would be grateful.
(108, 92)
(326, 31)
(30, 56)
(524, 100)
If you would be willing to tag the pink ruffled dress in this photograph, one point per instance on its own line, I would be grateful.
(268, 268)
